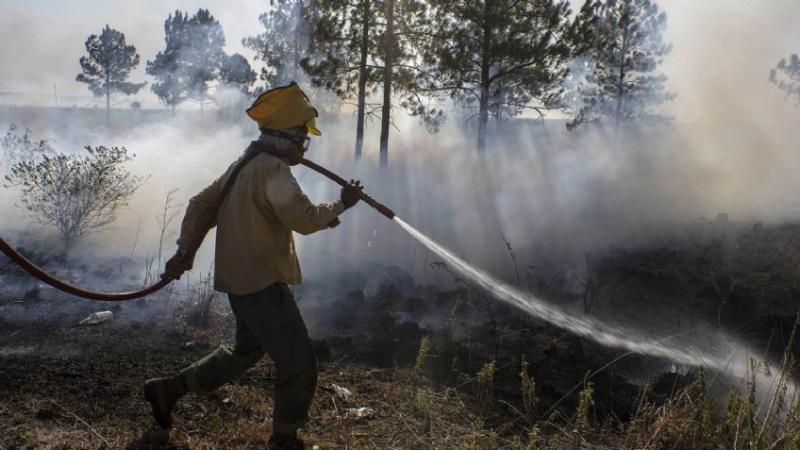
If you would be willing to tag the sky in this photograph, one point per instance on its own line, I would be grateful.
(45, 38)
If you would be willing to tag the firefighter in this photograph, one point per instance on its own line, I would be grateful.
(255, 262)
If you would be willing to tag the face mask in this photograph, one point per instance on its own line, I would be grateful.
(302, 142)
(305, 144)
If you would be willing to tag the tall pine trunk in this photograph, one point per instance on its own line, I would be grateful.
(108, 103)
(362, 80)
(483, 111)
(625, 22)
(386, 113)
(108, 110)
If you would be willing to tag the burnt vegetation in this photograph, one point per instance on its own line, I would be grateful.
(413, 366)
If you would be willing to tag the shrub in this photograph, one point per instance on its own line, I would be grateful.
(77, 194)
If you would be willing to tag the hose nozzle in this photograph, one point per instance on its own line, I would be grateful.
(383, 209)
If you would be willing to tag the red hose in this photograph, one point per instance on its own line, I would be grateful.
(66, 287)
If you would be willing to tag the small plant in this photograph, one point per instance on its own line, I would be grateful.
(528, 389)
(485, 302)
(422, 355)
(585, 402)
(452, 320)
(535, 439)
(200, 312)
(732, 417)
(196, 312)
(154, 264)
(541, 286)
(591, 288)
(164, 219)
(486, 381)
(704, 406)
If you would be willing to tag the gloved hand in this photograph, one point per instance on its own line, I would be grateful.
(176, 265)
(351, 193)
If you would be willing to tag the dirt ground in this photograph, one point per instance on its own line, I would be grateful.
(70, 386)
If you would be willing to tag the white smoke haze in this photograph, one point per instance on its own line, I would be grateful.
(732, 151)
(546, 190)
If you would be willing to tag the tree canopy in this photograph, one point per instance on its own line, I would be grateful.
(107, 67)
(193, 60)
(786, 76)
(498, 58)
(284, 44)
(621, 51)
(494, 60)
(342, 56)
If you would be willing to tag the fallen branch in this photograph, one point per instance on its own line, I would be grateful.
(84, 422)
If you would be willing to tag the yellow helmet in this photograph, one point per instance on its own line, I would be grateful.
(283, 108)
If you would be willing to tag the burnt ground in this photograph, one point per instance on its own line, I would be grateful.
(70, 386)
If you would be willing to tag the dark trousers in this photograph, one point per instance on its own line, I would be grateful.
(266, 322)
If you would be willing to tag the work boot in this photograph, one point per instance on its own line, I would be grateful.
(163, 394)
(285, 441)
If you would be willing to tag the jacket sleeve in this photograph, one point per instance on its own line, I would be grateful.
(199, 208)
(293, 207)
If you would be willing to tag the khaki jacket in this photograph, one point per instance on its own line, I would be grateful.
(255, 246)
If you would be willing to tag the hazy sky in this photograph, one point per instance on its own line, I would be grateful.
(723, 49)
(44, 39)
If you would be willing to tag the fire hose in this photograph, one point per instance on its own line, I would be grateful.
(252, 151)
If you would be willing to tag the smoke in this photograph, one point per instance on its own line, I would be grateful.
(551, 194)
(722, 55)
(551, 191)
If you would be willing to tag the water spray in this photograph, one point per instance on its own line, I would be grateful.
(731, 357)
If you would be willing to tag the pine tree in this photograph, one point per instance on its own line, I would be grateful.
(342, 55)
(623, 51)
(167, 66)
(284, 43)
(405, 24)
(203, 56)
(786, 76)
(106, 69)
(232, 94)
(498, 58)
(194, 60)
(236, 71)
(361, 49)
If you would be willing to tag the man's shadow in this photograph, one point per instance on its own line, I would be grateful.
(153, 438)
